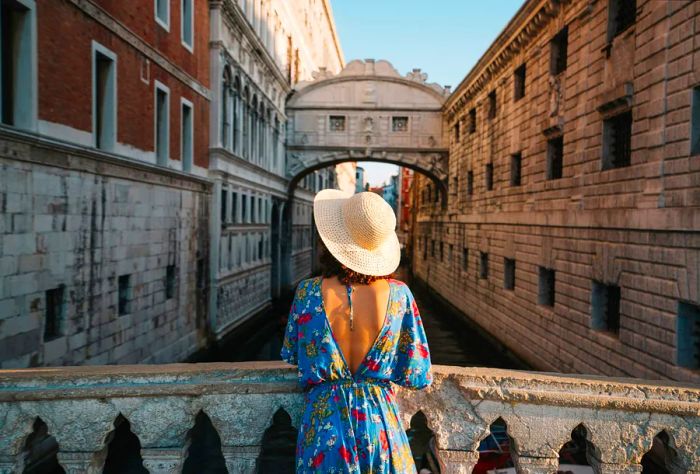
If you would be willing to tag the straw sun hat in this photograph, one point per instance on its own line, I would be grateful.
(358, 230)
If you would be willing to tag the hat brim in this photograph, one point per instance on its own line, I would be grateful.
(328, 216)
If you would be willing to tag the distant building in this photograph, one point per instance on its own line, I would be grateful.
(404, 205)
(359, 179)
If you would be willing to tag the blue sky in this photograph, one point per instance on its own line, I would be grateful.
(444, 38)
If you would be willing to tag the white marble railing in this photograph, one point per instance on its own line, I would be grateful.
(80, 404)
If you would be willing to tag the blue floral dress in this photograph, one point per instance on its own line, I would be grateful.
(351, 422)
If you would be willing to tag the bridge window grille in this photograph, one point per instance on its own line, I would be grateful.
(432, 248)
(546, 286)
(493, 104)
(483, 265)
(472, 120)
(337, 123)
(605, 307)
(244, 208)
(558, 52)
(695, 122)
(508, 273)
(450, 253)
(519, 83)
(470, 183)
(124, 302)
(399, 124)
(442, 251)
(234, 207)
(621, 15)
(465, 259)
(688, 335)
(55, 312)
(555, 158)
(488, 174)
(170, 279)
(617, 141)
(425, 248)
(516, 166)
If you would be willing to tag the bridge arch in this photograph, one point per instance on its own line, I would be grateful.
(367, 112)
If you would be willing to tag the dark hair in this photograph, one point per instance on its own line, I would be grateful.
(330, 267)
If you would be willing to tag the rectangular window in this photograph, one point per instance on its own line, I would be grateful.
(187, 24)
(470, 183)
(224, 207)
(399, 124)
(695, 122)
(555, 158)
(17, 64)
(104, 98)
(450, 254)
(509, 273)
(493, 104)
(244, 210)
(457, 131)
(124, 301)
(546, 287)
(162, 125)
(442, 251)
(516, 167)
(252, 209)
(465, 259)
(617, 141)
(472, 120)
(234, 208)
(605, 307)
(483, 265)
(163, 13)
(425, 248)
(488, 176)
(432, 248)
(170, 280)
(519, 83)
(55, 312)
(186, 135)
(688, 335)
(558, 48)
(337, 123)
(621, 15)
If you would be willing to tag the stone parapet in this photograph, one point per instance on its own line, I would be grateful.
(80, 405)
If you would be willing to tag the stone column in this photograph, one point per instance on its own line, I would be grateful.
(526, 465)
(81, 462)
(162, 461)
(457, 462)
(241, 459)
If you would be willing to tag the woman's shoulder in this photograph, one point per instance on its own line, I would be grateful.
(308, 286)
(401, 286)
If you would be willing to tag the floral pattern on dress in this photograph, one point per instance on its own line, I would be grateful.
(351, 422)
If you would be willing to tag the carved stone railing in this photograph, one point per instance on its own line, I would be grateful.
(79, 406)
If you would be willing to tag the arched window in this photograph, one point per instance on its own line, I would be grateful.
(236, 105)
(276, 143)
(225, 108)
(254, 129)
(262, 133)
(246, 123)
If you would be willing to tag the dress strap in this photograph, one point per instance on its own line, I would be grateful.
(349, 290)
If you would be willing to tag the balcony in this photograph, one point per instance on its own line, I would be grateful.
(246, 403)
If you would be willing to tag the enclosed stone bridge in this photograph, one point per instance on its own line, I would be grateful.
(367, 112)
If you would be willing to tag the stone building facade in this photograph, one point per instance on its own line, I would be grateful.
(258, 51)
(570, 228)
(103, 155)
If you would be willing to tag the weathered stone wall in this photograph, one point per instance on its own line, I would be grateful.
(80, 407)
(634, 226)
(82, 219)
(242, 296)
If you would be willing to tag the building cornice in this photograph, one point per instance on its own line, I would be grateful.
(522, 29)
(234, 16)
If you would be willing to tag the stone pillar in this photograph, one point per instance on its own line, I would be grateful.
(241, 459)
(619, 468)
(81, 462)
(457, 462)
(526, 465)
(162, 461)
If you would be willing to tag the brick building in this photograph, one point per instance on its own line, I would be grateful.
(570, 227)
(104, 151)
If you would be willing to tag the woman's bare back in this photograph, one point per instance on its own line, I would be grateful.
(369, 312)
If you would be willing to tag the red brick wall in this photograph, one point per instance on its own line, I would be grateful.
(65, 72)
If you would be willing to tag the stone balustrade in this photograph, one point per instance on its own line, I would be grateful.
(80, 405)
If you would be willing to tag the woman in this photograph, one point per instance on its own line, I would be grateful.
(352, 332)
